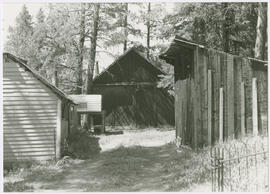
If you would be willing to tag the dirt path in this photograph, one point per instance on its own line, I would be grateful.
(134, 161)
(125, 169)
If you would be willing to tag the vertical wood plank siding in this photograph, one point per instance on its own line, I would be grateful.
(232, 73)
(29, 116)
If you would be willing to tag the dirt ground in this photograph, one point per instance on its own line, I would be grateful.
(133, 161)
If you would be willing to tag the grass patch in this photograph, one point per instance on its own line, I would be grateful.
(20, 176)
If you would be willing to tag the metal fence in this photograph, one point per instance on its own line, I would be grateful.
(240, 166)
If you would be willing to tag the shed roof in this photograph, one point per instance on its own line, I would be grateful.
(183, 43)
(132, 49)
(53, 88)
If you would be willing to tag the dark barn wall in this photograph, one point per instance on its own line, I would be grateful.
(134, 99)
(194, 115)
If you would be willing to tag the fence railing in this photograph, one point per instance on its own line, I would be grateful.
(240, 166)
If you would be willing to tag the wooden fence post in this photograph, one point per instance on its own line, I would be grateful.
(242, 107)
(209, 110)
(221, 114)
(254, 107)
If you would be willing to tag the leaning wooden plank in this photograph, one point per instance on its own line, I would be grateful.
(254, 107)
(209, 102)
(243, 112)
(230, 95)
(221, 104)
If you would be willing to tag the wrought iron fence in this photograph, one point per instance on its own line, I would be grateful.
(240, 166)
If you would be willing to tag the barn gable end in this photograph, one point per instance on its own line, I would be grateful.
(130, 95)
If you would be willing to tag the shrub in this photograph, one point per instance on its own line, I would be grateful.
(82, 145)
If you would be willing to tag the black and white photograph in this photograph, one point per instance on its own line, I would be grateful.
(134, 96)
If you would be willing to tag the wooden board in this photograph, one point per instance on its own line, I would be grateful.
(221, 113)
(210, 110)
(254, 107)
(29, 115)
(230, 96)
(243, 111)
(88, 103)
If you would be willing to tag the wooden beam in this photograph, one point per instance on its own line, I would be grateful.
(230, 96)
(195, 95)
(58, 130)
(221, 104)
(128, 84)
(103, 121)
(242, 107)
(209, 109)
(254, 107)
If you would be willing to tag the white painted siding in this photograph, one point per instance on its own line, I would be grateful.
(88, 103)
(29, 117)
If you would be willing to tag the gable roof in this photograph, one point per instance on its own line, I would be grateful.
(179, 41)
(132, 49)
(53, 88)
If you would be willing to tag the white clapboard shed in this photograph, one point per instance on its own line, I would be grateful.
(90, 104)
(87, 103)
(37, 116)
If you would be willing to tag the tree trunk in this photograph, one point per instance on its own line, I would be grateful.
(125, 26)
(91, 65)
(81, 50)
(261, 31)
(97, 68)
(228, 14)
(148, 29)
(55, 76)
(94, 34)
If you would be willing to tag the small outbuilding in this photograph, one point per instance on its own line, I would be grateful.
(90, 105)
(217, 95)
(130, 95)
(37, 116)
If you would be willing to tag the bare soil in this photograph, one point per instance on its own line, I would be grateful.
(134, 161)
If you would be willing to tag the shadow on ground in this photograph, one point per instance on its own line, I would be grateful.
(124, 169)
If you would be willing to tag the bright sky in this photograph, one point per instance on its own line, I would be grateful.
(11, 10)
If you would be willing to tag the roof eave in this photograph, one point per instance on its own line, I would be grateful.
(54, 89)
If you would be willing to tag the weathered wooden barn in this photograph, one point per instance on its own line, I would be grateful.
(130, 95)
(217, 95)
(37, 116)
